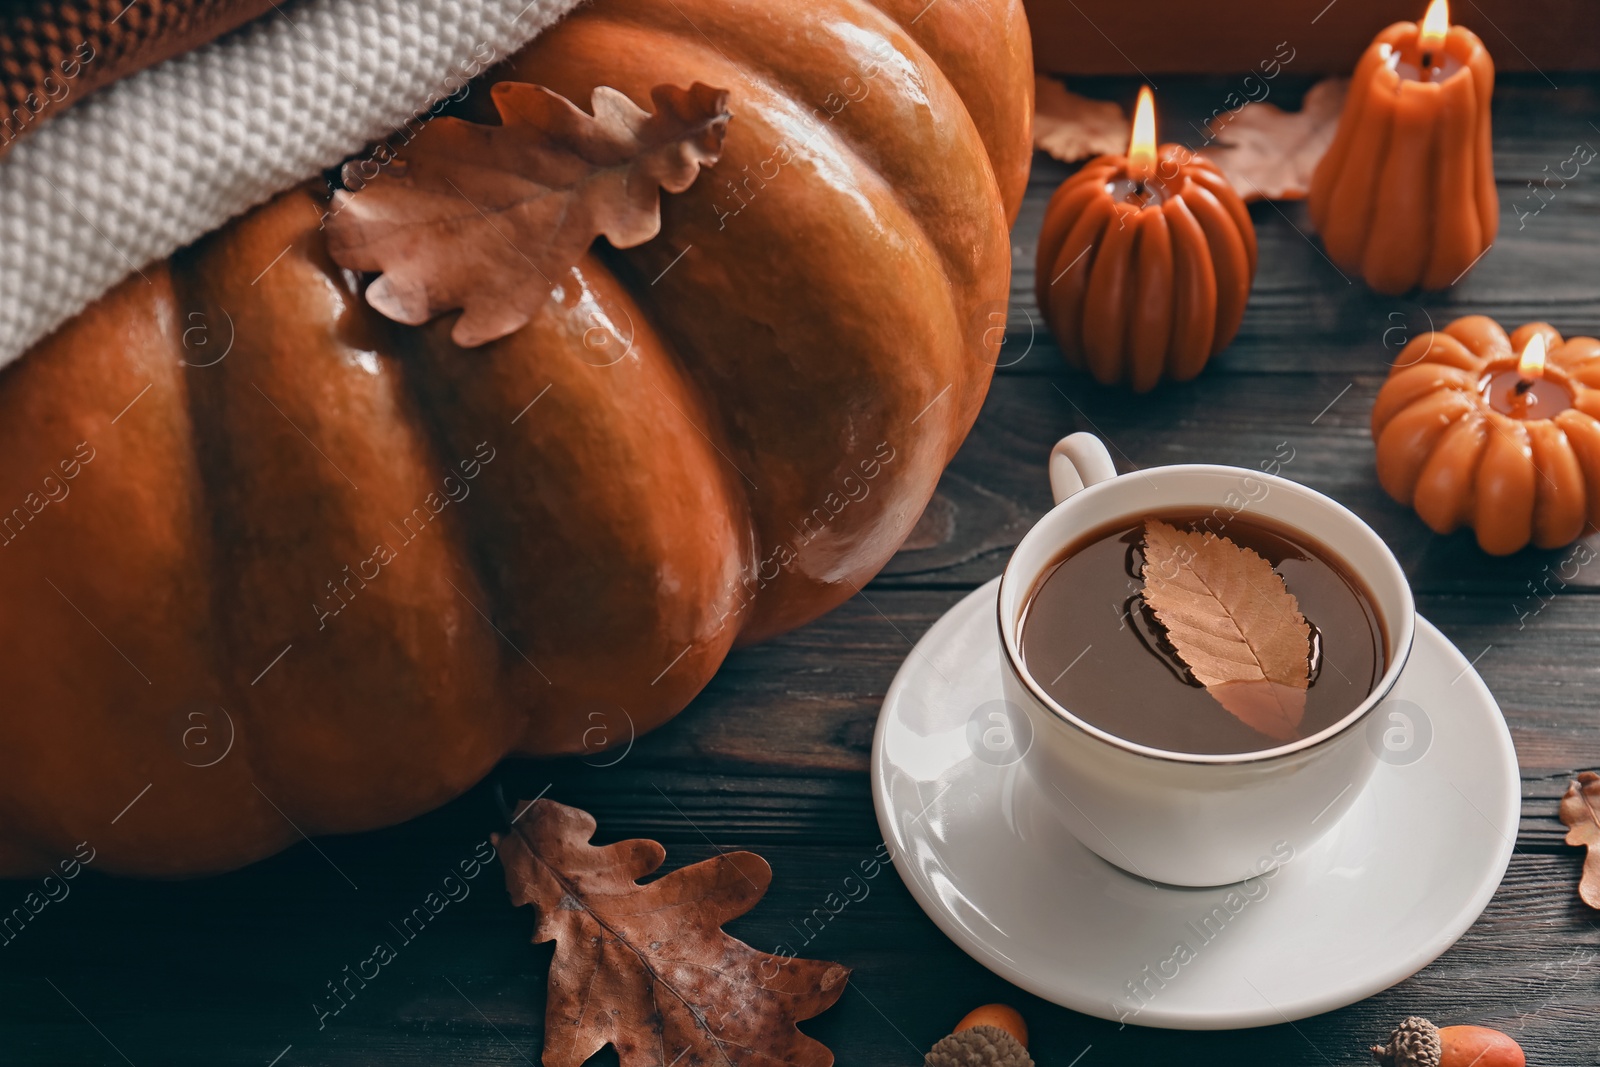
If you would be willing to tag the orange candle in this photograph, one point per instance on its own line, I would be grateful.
(1405, 194)
(1145, 261)
(1499, 433)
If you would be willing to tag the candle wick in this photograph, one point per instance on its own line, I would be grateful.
(1523, 385)
(1427, 61)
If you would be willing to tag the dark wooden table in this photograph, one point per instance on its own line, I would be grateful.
(773, 756)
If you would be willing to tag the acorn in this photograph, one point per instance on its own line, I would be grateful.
(1416, 1042)
(991, 1036)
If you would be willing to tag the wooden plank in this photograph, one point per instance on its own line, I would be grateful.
(241, 973)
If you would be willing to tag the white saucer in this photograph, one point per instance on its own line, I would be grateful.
(1383, 894)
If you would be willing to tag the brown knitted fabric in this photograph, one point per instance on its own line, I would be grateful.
(53, 53)
(981, 1046)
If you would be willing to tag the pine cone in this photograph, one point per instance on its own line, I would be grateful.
(1414, 1043)
(981, 1046)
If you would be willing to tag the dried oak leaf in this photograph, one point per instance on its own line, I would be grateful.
(1580, 810)
(488, 218)
(1234, 624)
(1072, 127)
(1268, 153)
(647, 968)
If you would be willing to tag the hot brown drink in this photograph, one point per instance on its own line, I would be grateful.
(1187, 634)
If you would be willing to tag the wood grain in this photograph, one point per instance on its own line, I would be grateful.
(773, 755)
(1107, 37)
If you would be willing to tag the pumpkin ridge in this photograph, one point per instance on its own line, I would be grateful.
(916, 31)
(343, 569)
(1151, 310)
(1348, 242)
(1330, 171)
(1445, 487)
(977, 78)
(218, 648)
(270, 794)
(865, 148)
(1093, 222)
(1560, 486)
(869, 159)
(1194, 292)
(849, 274)
(562, 652)
(1065, 207)
(1109, 286)
(427, 397)
(1231, 259)
(769, 79)
(718, 432)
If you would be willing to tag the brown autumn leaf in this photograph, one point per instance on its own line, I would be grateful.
(488, 218)
(1268, 153)
(1580, 810)
(1234, 624)
(647, 968)
(1072, 127)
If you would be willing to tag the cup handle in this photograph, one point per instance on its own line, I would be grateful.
(1077, 462)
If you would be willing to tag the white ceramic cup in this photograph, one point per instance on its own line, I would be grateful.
(1184, 818)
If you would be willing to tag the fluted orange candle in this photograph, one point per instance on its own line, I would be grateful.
(1145, 261)
(1499, 433)
(1405, 194)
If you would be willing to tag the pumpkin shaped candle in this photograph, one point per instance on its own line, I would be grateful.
(1405, 194)
(1498, 433)
(1145, 262)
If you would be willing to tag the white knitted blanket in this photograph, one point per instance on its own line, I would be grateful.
(158, 159)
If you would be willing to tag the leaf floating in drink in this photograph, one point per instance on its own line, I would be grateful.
(647, 968)
(487, 219)
(1233, 623)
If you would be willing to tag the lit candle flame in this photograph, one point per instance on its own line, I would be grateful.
(1435, 24)
(1531, 365)
(1142, 145)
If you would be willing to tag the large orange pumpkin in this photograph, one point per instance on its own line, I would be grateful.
(362, 565)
